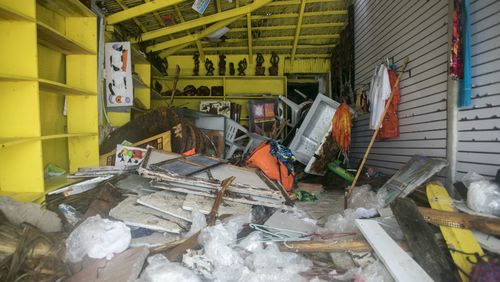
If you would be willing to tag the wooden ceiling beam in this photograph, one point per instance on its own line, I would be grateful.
(137, 22)
(298, 29)
(191, 38)
(297, 2)
(291, 26)
(294, 15)
(281, 38)
(202, 21)
(140, 10)
(261, 47)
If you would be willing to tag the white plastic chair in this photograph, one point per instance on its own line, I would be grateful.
(255, 140)
(295, 110)
(233, 141)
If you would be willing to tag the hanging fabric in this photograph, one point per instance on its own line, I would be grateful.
(390, 124)
(380, 90)
(464, 97)
(456, 58)
(341, 127)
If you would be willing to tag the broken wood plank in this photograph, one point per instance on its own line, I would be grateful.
(108, 197)
(422, 242)
(401, 266)
(204, 205)
(461, 220)
(134, 214)
(277, 187)
(212, 216)
(330, 246)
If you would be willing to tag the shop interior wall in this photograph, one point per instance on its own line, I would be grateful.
(479, 125)
(396, 30)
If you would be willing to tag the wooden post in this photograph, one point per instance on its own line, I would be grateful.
(379, 124)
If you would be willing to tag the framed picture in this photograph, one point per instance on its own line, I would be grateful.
(262, 116)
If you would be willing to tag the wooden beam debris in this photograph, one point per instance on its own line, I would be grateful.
(422, 242)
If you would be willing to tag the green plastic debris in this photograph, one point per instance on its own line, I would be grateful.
(304, 196)
(53, 170)
(335, 168)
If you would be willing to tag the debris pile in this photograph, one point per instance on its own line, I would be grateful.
(164, 216)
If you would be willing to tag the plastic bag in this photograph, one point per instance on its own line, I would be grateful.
(199, 222)
(373, 272)
(482, 195)
(217, 242)
(345, 223)
(160, 269)
(97, 238)
(270, 264)
(364, 197)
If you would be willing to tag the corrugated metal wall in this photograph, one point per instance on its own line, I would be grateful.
(398, 29)
(479, 127)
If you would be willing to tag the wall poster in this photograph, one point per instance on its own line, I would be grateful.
(119, 85)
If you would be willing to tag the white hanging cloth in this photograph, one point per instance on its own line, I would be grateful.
(380, 90)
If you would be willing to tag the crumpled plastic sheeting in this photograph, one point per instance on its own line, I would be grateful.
(160, 269)
(373, 272)
(482, 195)
(270, 264)
(199, 222)
(364, 197)
(344, 223)
(98, 238)
(248, 261)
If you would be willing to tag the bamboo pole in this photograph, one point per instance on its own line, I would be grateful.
(379, 124)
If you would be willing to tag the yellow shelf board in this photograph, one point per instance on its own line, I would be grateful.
(23, 196)
(7, 13)
(12, 141)
(53, 39)
(188, 77)
(255, 77)
(218, 77)
(10, 78)
(63, 89)
(67, 8)
(241, 97)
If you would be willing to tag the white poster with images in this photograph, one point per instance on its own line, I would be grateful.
(119, 85)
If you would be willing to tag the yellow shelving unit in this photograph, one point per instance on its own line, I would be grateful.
(47, 59)
(237, 89)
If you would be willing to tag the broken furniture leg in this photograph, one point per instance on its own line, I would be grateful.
(212, 216)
